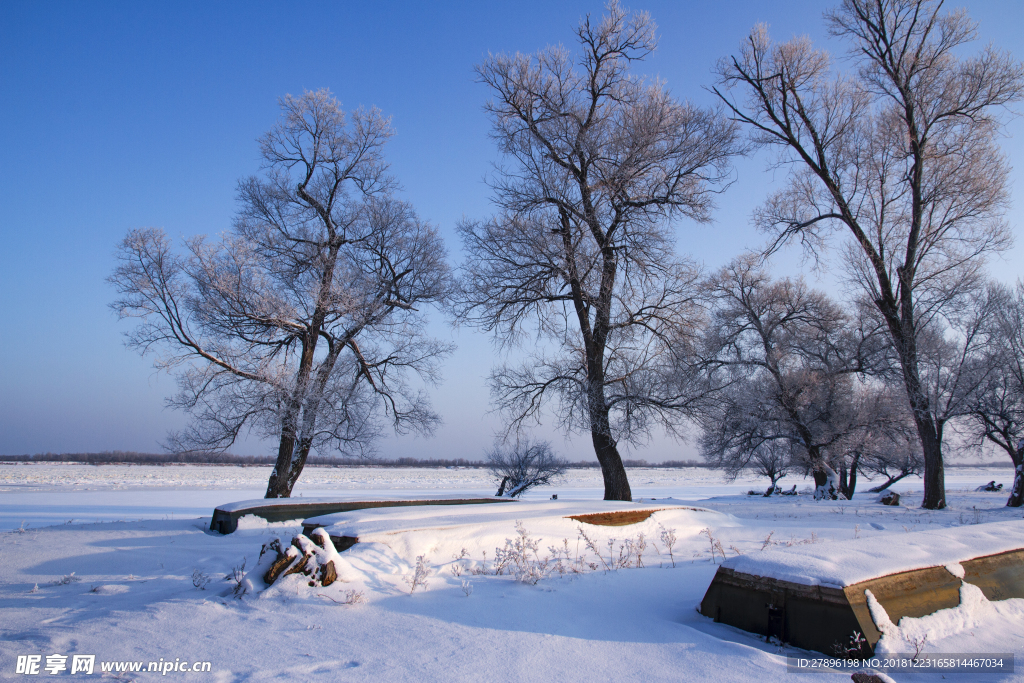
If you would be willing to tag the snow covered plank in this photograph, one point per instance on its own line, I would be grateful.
(225, 517)
(814, 596)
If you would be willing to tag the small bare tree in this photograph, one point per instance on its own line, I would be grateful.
(769, 458)
(522, 466)
(581, 253)
(893, 458)
(901, 155)
(883, 441)
(303, 322)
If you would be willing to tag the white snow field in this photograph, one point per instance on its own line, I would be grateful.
(103, 561)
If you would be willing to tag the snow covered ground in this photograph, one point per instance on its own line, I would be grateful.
(100, 582)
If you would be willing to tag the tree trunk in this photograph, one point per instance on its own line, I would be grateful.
(892, 480)
(616, 484)
(902, 330)
(927, 430)
(826, 482)
(934, 472)
(278, 486)
(290, 463)
(848, 479)
(1016, 499)
(1017, 492)
(290, 459)
(298, 463)
(853, 481)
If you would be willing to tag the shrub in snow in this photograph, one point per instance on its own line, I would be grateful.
(668, 539)
(627, 554)
(855, 646)
(352, 597)
(467, 588)
(200, 579)
(716, 545)
(974, 518)
(521, 558)
(564, 562)
(419, 576)
(239, 585)
(638, 548)
(457, 566)
(66, 579)
(592, 547)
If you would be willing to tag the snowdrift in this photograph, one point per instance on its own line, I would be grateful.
(816, 596)
(422, 529)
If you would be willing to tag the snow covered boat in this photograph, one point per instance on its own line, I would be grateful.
(837, 597)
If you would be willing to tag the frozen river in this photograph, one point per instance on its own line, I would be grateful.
(56, 493)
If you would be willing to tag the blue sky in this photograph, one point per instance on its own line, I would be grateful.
(122, 115)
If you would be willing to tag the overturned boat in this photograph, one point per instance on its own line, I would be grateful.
(816, 596)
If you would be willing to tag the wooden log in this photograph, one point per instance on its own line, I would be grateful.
(328, 574)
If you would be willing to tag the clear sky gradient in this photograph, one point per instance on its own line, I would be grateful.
(122, 115)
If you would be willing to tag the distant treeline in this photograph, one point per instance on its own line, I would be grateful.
(135, 458)
(207, 458)
(195, 458)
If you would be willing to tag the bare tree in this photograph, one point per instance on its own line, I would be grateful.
(882, 442)
(772, 460)
(769, 458)
(957, 353)
(599, 163)
(523, 465)
(995, 409)
(787, 358)
(902, 155)
(893, 458)
(303, 323)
